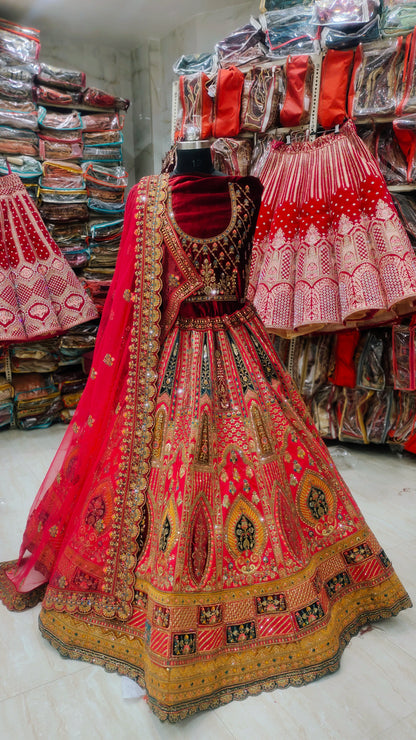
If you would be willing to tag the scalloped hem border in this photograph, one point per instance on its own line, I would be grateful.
(10, 596)
(231, 693)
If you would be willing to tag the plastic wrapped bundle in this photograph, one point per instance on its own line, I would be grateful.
(64, 212)
(100, 99)
(106, 183)
(404, 418)
(374, 80)
(188, 64)
(52, 96)
(18, 118)
(63, 195)
(110, 153)
(68, 79)
(232, 156)
(378, 417)
(6, 414)
(15, 89)
(56, 174)
(404, 357)
(289, 30)
(18, 43)
(243, 46)
(68, 121)
(323, 411)
(62, 145)
(371, 363)
(74, 344)
(345, 13)
(77, 256)
(29, 169)
(16, 141)
(261, 97)
(35, 357)
(406, 207)
(195, 108)
(398, 17)
(353, 408)
(337, 38)
(111, 121)
(103, 229)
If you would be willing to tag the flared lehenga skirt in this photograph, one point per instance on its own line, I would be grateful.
(255, 565)
(40, 295)
(331, 249)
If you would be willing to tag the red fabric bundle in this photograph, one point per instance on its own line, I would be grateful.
(344, 372)
(336, 69)
(295, 109)
(230, 83)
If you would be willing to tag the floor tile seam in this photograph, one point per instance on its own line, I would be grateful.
(45, 683)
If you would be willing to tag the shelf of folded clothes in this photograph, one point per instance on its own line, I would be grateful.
(360, 386)
(6, 402)
(37, 400)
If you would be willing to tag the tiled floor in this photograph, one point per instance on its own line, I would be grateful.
(373, 695)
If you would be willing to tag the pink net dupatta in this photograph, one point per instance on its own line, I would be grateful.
(117, 403)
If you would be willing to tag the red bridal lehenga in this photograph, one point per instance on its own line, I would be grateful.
(330, 251)
(192, 532)
(40, 295)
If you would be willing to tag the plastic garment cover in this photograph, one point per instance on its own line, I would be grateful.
(67, 79)
(96, 138)
(372, 372)
(190, 63)
(28, 168)
(64, 212)
(18, 141)
(232, 156)
(69, 121)
(18, 118)
(345, 12)
(323, 409)
(15, 89)
(289, 30)
(339, 38)
(406, 207)
(403, 426)
(101, 99)
(56, 174)
(373, 86)
(97, 205)
(53, 96)
(352, 411)
(102, 121)
(102, 153)
(404, 357)
(398, 17)
(18, 43)
(379, 415)
(262, 91)
(195, 107)
(62, 195)
(60, 145)
(390, 157)
(243, 46)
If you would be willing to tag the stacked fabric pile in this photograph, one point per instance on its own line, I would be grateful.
(19, 52)
(71, 382)
(6, 402)
(37, 400)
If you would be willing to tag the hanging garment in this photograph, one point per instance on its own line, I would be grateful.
(192, 531)
(330, 250)
(39, 293)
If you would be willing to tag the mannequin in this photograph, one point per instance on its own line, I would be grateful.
(193, 157)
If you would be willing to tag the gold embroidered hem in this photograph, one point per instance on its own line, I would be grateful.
(178, 691)
(10, 596)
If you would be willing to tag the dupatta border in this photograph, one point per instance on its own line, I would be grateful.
(133, 472)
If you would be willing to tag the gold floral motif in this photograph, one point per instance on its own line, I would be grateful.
(245, 535)
(108, 359)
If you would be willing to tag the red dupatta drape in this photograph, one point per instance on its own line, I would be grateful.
(123, 375)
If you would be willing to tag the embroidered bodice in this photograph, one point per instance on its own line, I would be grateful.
(213, 219)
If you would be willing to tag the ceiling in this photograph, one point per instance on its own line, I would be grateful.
(114, 23)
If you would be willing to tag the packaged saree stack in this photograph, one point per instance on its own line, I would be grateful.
(104, 242)
(59, 86)
(37, 401)
(6, 402)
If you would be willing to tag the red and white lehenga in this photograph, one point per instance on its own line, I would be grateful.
(330, 251)
(192, 532)
(39, 293)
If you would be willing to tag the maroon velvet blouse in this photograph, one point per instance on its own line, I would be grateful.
(215, 218)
